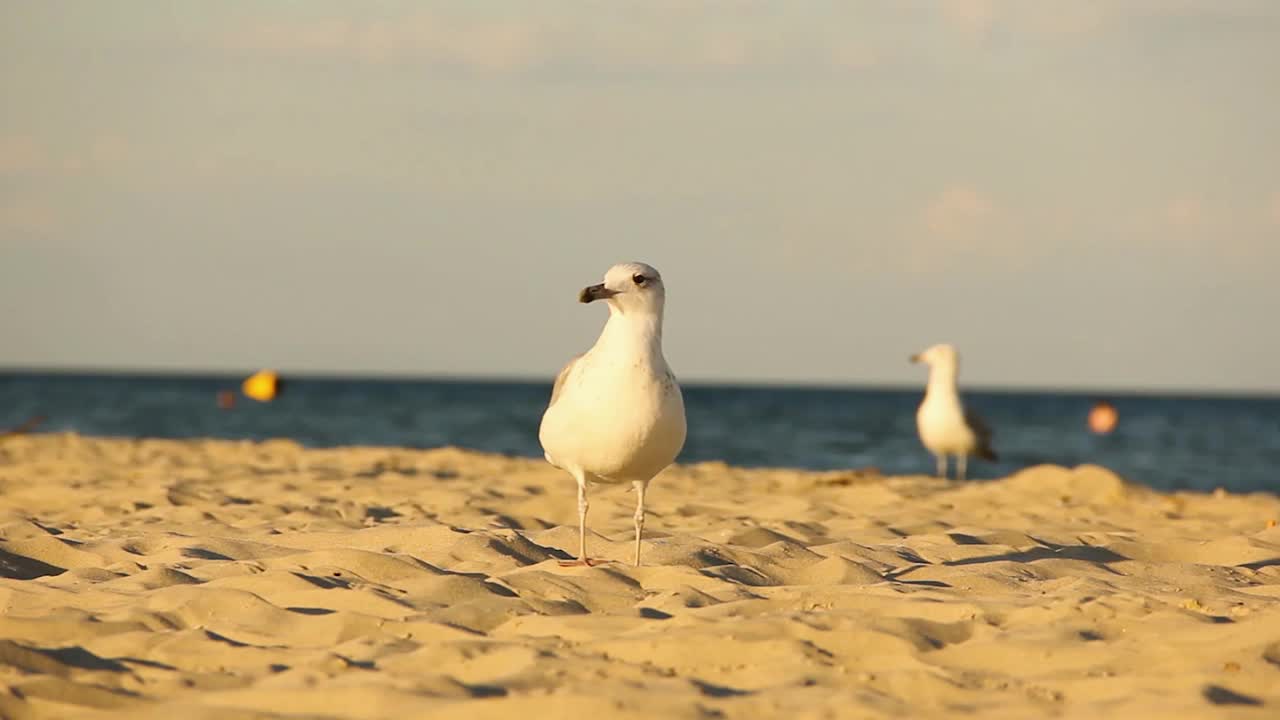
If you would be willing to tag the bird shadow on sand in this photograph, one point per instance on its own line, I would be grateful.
(55, 661)
(20, 567)
(1100, 557)
(1088, 553)
(1219, 695)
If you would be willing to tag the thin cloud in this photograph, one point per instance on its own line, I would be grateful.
(1214, 234)
(963, 222)
(643, 38)
(25, 215)
(1175, 221)
(28, 156)
(973, 16)
(1186, 213)
(958, 212)
(978, 17)
(499, 45)
(22, 155)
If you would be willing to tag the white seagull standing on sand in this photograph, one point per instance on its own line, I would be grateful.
(945, 427)
(616, 413)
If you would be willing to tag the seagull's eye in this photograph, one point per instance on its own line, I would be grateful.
(639, 279)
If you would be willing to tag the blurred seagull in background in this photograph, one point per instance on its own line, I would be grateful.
(945, 427)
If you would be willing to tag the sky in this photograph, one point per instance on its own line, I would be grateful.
(1076, 194)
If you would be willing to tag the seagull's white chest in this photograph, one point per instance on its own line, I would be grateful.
(942, 427)
(620, 417)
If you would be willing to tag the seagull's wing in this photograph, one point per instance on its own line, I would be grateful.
(983, 433)
(560, 378)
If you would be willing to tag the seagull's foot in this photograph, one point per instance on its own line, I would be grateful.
(583, 562)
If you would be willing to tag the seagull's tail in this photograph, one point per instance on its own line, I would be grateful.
(987, 453)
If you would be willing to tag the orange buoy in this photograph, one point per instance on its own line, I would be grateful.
(261, 386)
(226, 399)
(1103, 418)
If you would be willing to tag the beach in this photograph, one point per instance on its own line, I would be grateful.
(222, 579)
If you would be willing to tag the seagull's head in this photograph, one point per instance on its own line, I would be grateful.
(628, 288)
(938, 357)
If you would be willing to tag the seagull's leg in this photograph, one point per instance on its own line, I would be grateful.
(942, 465)
(582, 523)
(582, 520)
(961, 461)
(639, 516)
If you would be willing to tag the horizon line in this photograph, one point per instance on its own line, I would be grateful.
(743, 383)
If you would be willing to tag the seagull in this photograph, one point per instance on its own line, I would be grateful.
(946, 428)
(616, 413)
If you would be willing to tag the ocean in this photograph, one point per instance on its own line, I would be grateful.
(1166, 442)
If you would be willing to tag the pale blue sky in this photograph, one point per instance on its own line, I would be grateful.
(1077, 194)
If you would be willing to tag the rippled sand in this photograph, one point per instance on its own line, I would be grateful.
(160, 579)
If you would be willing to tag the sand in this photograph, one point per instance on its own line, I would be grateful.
(201, 579)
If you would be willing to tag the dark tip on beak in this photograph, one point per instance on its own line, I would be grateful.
(595, 292)
(914, 358)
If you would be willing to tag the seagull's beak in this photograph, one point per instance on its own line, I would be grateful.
(915, 358)
(595, 292)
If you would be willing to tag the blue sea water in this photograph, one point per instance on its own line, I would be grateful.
(1168, 442)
